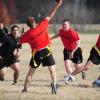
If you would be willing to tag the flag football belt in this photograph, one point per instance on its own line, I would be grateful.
(97, 50)
(35, 51)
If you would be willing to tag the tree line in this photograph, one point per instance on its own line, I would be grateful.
(78, 11)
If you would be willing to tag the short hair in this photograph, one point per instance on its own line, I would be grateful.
(30, 20)
(66, 20)
(14, 26)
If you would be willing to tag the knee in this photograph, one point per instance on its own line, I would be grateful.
(16, 70)
(2, 72)
(52, 69)
(78, 67)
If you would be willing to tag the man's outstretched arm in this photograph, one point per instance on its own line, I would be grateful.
(57, 5)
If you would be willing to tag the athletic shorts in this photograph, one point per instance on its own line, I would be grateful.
(77, 57)
(7, 61)
(95, 56)
(43, 56)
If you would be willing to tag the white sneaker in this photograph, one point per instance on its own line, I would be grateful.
(72, 78)
(68, 78)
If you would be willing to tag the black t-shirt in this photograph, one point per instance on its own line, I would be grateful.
(9, 44)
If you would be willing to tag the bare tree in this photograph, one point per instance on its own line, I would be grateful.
(4, 16)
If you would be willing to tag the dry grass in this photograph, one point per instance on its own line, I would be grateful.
(40, 86)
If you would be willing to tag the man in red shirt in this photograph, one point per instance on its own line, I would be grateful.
(39, 41)
(94, 58)
(72, 51)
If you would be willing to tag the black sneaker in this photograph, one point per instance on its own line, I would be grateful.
(14, 83)
(24, 90)
(83, 75)
(1, 78)
(54, 88)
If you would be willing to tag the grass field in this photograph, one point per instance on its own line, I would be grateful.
(40, 86)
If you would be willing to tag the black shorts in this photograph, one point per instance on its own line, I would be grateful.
(44, 56)
(7, 61)
(77, 57)
(94, 56)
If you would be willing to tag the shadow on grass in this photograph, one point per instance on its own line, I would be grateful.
(82, 85)
(36, 93)
(46, 83)
(36, 82)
